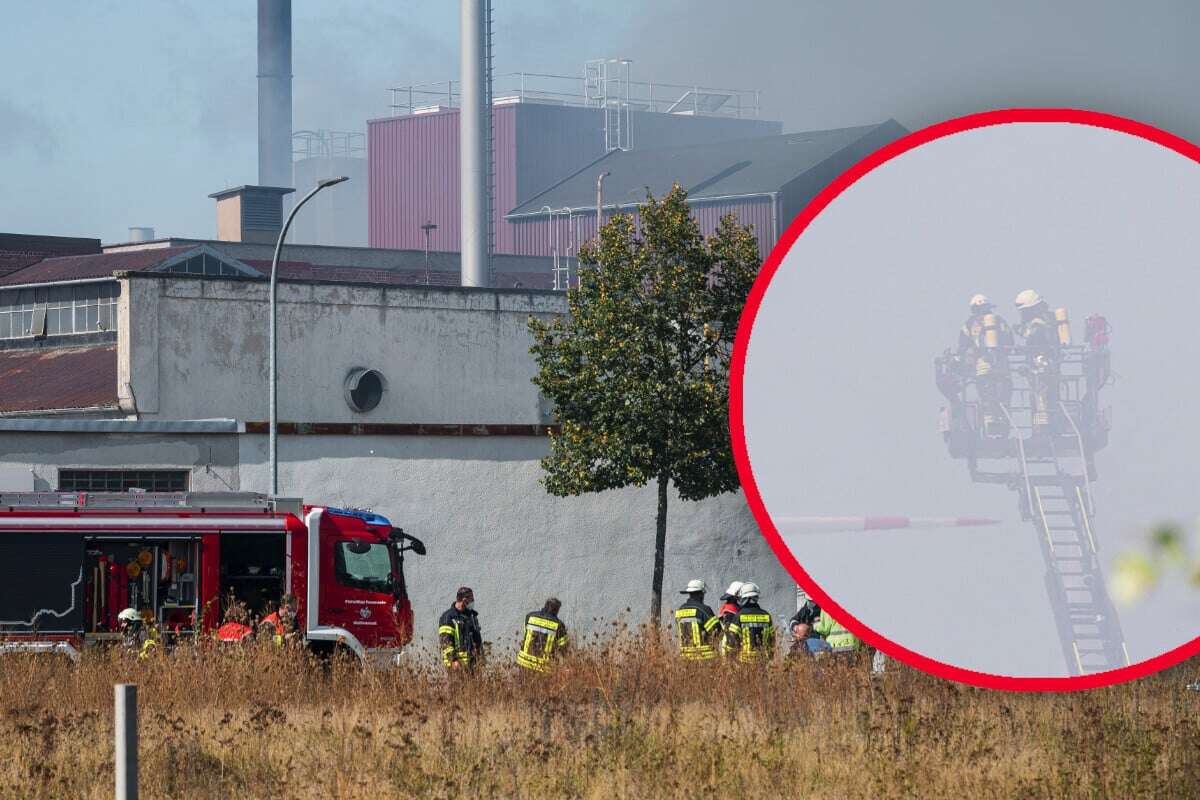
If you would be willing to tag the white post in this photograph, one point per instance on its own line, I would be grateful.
(474, 128)
(125, 727)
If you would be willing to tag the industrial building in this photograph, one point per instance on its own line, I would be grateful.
(544, 128)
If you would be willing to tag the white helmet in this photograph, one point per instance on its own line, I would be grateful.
(129, 615)
(748, 591)
(1028, 299)
(734, 588)
(694, 585)
(979, 300)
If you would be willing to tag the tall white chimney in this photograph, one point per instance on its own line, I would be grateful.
(475, 122)
(275, 93)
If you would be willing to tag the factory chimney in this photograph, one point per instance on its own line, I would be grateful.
(474, 134)
(275, 93)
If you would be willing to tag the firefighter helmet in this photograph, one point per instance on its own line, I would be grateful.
(1028, 299)
(749, 591)
(980, 301)
(129, 615)
(694, 585)
(734, 588)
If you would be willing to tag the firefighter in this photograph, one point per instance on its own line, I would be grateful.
(280, 625)
(698, 627)
(136, 636)
(726, 613)
(842, 643)
(751, 632)
(545, 638)
(459, 635)
(1039, 330)
(982, 345)
(236, 629)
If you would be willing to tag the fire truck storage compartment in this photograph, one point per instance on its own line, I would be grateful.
(155, 575)
(41, 581)
(252, 570)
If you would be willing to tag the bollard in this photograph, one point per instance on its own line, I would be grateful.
(125, 730)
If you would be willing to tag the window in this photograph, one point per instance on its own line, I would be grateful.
(204, 264)
(79, 308)
(122, 480)
(364, 565)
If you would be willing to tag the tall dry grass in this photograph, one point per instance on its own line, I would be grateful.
(619, 719)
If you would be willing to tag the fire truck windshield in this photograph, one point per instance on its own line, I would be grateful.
(364, 565)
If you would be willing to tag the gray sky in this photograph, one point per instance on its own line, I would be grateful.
(130, 113)
(841, 408)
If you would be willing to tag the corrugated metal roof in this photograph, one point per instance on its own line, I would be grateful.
(100, 265)
(58, 378)
(20, 250)
(723, 169)
(71, 268)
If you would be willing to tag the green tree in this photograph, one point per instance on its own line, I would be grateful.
(638, 370)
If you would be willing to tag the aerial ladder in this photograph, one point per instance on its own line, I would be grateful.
(1050, 426)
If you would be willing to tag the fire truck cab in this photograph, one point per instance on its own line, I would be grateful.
(70, 562)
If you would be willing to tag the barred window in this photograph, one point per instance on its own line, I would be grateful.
(122, 480)
(79, 308)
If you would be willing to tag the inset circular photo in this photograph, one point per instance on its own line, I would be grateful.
(963, 399)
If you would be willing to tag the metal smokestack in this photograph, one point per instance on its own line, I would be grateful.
(275, 93)
(474, 120)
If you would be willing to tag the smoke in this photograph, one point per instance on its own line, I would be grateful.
(22, 130)
(832, 64)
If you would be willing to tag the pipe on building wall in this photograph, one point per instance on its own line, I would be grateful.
(474, 121)
(275, 93)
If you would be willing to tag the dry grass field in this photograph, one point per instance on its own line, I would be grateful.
(618, 720)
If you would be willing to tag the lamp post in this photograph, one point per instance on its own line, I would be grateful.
(273, 432)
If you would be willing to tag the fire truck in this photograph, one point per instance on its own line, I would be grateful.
(71, 562)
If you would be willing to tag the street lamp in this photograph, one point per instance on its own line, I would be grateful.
(272, 367)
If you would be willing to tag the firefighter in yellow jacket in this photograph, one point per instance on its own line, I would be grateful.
(841, 641)
(697, 626)
(751, 634)
(544, 638)
(983, 341)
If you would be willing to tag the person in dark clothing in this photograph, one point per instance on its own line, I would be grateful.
(545, 638)
(804, 641)
(698, 627)
(458, 633)
(752, 632)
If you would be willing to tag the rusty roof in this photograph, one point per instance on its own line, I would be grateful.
(59, 378)
(100, 265)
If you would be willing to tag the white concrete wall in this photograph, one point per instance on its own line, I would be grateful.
(196, 349)
(477, 504)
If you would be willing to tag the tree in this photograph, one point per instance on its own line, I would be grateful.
(638, 370)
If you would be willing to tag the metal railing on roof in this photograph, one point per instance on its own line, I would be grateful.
(328, 144)
(579, 91)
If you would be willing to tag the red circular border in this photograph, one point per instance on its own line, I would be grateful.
(741, 344)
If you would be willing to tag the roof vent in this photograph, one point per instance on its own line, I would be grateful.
(250, 213)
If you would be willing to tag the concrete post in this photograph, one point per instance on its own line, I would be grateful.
(125, 728)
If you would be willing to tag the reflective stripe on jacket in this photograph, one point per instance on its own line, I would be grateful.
(836, 636)
(698, 629)
(459, 637)
(753, 634)
(545, 636)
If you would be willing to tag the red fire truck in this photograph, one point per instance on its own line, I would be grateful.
(71, 562)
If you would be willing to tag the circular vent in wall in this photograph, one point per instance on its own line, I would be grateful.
(364, 389)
